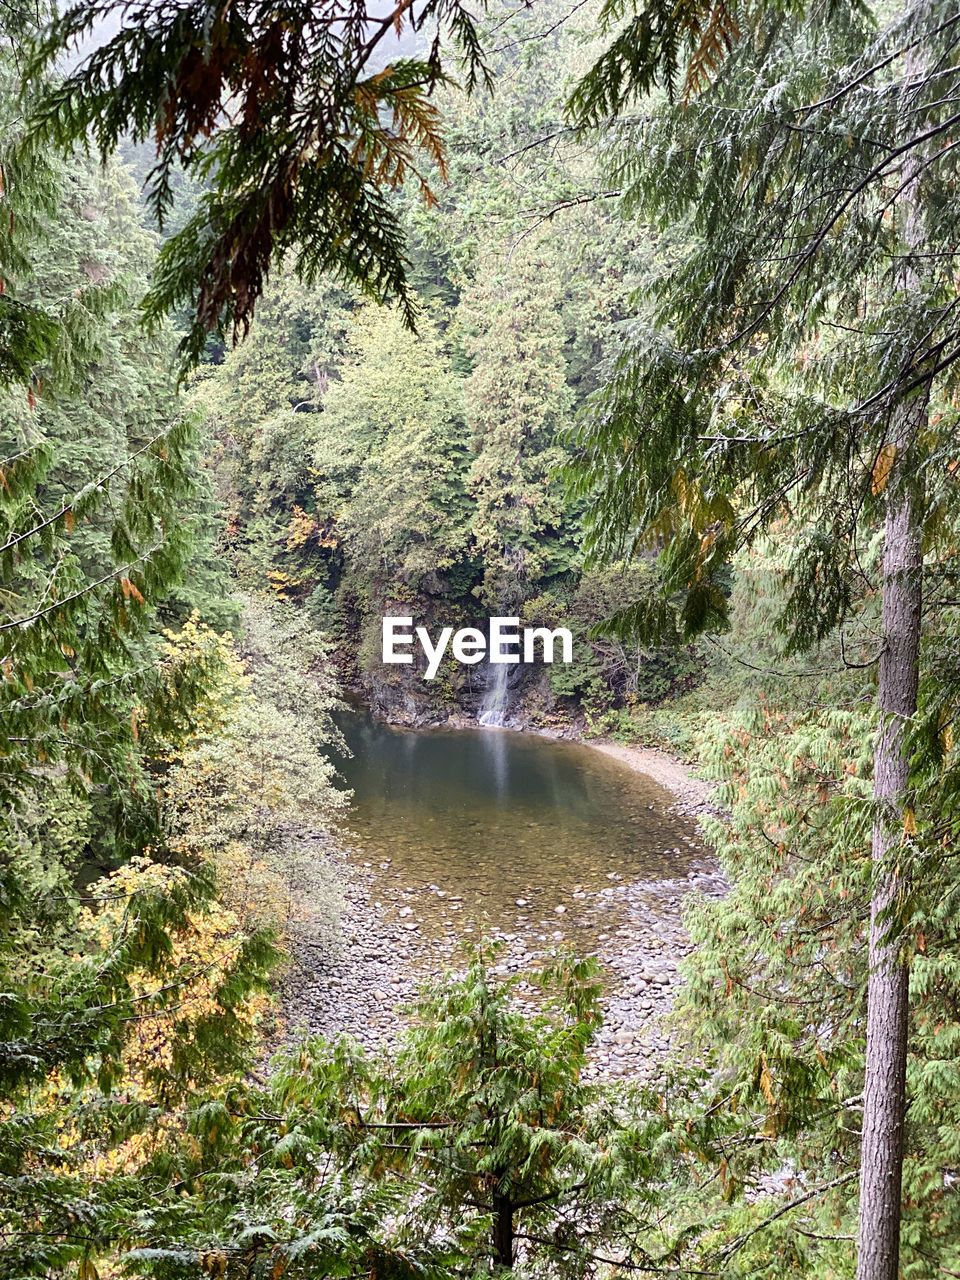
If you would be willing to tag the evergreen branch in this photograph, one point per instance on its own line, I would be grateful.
(622, 1264)
(284, 123)
(90, 586)
(541, 35)
(831, 101)
(558, 208)
(812, 245)
(742, 1239)
(537, 142)
(68, 504)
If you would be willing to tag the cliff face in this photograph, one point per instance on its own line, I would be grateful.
(598, 686)
(400, 695)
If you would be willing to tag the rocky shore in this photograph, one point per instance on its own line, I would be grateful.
(693, 794)
(387, 945)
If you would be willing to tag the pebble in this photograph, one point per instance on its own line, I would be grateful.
(356, 983)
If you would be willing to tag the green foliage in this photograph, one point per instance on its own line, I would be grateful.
(758, 384)
(517, 400)
(91, 535)
(404, 1169)
(611, 677)
(95, 536)
(798, 365)
(65, 1027)
(516, 1157)
(360, 467)
(251, 792)
(37, 336)
(391, 458)
(299, 122)
(775, 998)
(94, 539)
(656, 43)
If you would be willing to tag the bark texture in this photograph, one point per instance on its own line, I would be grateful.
(503, 1231)
(888, 988)
(884, 1102)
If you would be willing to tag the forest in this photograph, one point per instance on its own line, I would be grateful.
(636, 318)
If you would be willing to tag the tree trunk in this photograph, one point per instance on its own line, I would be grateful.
(503, 1231)
(888, 987)
(884, 1101)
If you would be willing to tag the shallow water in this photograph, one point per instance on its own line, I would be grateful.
(488, 828)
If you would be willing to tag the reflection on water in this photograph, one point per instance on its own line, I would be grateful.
(505, 826)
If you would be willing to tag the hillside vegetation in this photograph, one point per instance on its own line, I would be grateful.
(638, 319)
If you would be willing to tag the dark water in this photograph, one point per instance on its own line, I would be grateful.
(469, 826)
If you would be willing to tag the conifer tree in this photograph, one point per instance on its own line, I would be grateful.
(95, 470)
(479, 1151)
(301, 119)
(94, 532)
(799, 360)
(517, 401)
(390, 459)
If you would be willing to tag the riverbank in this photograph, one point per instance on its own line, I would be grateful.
(395, 933)
(693, 794)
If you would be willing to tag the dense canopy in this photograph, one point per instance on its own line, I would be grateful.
(636, 319)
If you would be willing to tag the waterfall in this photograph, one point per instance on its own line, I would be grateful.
(496, 694)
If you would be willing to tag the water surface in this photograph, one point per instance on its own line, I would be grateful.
(471, 827)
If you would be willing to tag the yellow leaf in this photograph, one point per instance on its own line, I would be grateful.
(909, 822)
(882, 467)
(765, 1081)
